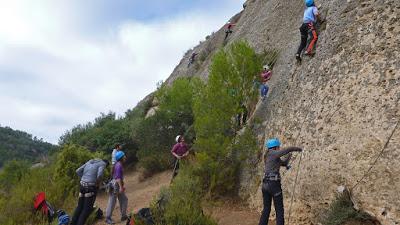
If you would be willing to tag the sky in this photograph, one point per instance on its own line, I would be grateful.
(64, 62)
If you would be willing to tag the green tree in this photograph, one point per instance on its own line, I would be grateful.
(230, 85)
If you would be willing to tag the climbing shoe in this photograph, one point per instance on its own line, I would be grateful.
(298, 58)
(123, 218)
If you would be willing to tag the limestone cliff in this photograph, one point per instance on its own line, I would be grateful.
(341, 105)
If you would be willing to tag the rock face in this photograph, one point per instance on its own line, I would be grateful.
(341, 105)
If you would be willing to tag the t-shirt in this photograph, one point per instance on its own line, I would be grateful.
(118, 171)
(113, 159)
(266, 75)
(273, 161)
(179, 149)
(310, 15)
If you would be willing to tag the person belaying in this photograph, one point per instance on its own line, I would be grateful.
(118, 190)
(308, 29)
(180, 150)
(90, 173)
(271, 186)
(192, 58)
(228, 29)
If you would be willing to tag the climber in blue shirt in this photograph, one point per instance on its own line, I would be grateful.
(311, 15)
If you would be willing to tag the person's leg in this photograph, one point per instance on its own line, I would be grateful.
(313, 37)
(303, 40)
(123, 204)
(87, 209)
(267, 198)
(278, 203)
(112, 198)
(77, 211)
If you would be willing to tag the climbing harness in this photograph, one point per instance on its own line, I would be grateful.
(379, 155)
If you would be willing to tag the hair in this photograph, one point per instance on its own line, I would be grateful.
(117, 145)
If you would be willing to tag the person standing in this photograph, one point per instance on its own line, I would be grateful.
(118, 190)
(179, 151)
(116, 149)
(90, 174)
(271, 186)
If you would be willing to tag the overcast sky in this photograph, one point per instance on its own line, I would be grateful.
(62, 62)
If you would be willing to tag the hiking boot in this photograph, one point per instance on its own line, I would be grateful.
(298, 58)
(123, 218)
(109, 221)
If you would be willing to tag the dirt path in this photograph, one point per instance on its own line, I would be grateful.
(141, 193)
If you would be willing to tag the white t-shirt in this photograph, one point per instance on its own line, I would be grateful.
(113, 159)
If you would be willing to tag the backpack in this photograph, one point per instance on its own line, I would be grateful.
(41, 205)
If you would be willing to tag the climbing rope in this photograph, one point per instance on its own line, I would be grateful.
(301, 157)
(379, 155)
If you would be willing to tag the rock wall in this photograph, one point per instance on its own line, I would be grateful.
(341, 105)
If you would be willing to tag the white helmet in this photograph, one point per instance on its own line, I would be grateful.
(177, 138)
(266, 67)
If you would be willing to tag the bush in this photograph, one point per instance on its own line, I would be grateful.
(156, 134)
(58, 180)
(182, 203)
(230, 86)
(71, 157)
(342, 210)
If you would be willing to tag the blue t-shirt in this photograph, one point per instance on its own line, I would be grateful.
(310, 15)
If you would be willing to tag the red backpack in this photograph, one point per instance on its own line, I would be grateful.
(41, 205)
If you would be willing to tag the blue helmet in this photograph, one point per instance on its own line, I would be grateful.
(119, 155)
(309, 3)
(271, 143)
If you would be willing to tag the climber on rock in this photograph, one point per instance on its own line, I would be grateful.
(228, 30)
(179, 151)
(192, 58)
(266, 74)
(307, 29)
(271, 186)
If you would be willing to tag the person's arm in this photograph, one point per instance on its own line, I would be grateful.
(100, 171)
(285, 161)
(79, 171)
(121, 185)
(280, 153)
(316, 14)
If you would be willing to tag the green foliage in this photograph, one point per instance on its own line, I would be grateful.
(20, 145)
(70, 158)
(182, 203)
(229, 87)
(174, 116)
(342, 210)
(58, 180)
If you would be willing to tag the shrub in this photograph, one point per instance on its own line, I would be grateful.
(229, 87)
(156, 134)
(182, 203)
(342, 210)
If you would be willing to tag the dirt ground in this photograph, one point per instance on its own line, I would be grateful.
(141, 193)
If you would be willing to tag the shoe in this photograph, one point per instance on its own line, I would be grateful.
(109, 221)
(298, 57)
(309, 53)
(123, 218)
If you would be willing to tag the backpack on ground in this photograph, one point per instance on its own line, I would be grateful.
(42, 205)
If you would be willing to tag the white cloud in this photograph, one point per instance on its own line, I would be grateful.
(53, 77)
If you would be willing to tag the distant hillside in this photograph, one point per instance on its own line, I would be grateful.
(15, 144)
